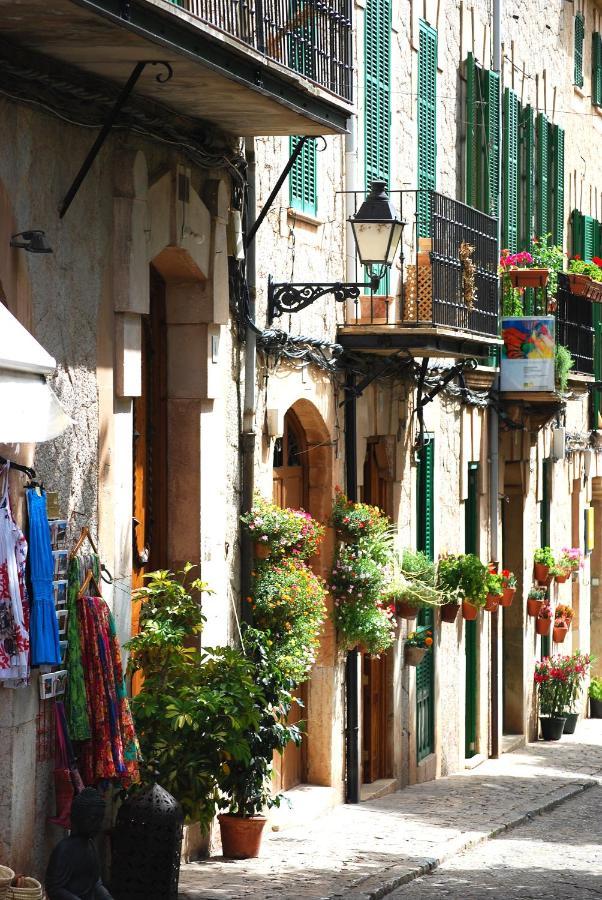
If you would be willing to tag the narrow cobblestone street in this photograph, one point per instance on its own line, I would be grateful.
(376, 848)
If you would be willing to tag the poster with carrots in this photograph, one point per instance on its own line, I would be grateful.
(528, 353)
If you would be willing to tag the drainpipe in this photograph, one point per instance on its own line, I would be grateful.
(352, 664)
(248, 437)
(494, 487)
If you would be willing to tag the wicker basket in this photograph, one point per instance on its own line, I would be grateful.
(25, 888)
(6, 876)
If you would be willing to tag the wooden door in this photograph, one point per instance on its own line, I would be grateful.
(375, 675)
(149, 515)
(291, 488)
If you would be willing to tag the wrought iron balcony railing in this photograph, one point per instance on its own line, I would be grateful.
(575, 327)
(311, 37)
(450, 282)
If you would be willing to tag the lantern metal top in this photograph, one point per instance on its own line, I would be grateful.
(377, 207)
(377, 228)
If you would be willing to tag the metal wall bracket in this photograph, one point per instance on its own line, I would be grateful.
(290, 298)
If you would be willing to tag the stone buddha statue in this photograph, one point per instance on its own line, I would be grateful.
(73, 871)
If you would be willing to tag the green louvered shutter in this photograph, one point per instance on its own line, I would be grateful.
(596, 69)
(557, 179)
(586, 243)
(510, 163)
(492, 136)
(471, 175)
(542, 218)
(303, 178)
(427, 124)
(526, 196)
(425, 672)
(579, 36)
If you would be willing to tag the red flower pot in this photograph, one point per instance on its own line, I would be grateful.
(449, 611)
(507, 596)
(492, 602)
(534, 606)
(405, 610)
(262, 551)
(241, 838)
(541, 573)
(542, 626)
(469, 611)
(528, 278)
(559, 633)
(562, 577)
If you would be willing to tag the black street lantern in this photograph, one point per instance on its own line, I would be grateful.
(377, 231)
(377, 228)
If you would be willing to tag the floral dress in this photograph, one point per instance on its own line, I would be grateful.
(14, 606)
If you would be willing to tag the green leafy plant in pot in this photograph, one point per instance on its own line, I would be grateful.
(495, 591)
(449, 575)
(412, 584)
(543, 561)
(595, 698)
(473, 585)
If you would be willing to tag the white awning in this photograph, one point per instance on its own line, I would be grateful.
(29, 409)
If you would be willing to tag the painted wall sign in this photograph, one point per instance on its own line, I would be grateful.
(528, 353)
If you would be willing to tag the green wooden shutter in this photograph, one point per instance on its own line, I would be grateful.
(510, 163)
(425, 672)
(425, 511)
(427, 124)
(526, 194)
(542, 219)
(557, 180)
(596, 69)
(303, 178)
(579, 36)
(492, 135)
(471, 545)
(471, 131)
(586, 243)
(544, 535)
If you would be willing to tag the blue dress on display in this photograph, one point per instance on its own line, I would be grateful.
(44, 628)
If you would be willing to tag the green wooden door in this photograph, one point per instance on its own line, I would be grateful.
(425, 672)
(544, 535)
(471, 541)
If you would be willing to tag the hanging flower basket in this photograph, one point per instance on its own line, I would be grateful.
(578, 284)
(528, 278)
(542, 626)
(262, 551)
(405, 610)
(413, 656)
(507, 596)
(449, 611)
(534, 606)
(469, 611)
(541, 573)
(492, 602)
(559, 633)
(562, 576)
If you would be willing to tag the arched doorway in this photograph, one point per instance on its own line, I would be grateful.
(291, 488)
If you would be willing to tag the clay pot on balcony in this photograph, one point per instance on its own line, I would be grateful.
(534, 606)
(528, 278)
(405, 610)
(594, 291)
(542, 626)
(560, 632)
(449, 611)
(507, 596)
(492, 602)
(541, 573)
(469, 611)
(413, 656)
(578, 284)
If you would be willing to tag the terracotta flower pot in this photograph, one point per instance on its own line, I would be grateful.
(413, 656)
(534, 606)
(559, 633)
(241, 837)
(562, 577)
(405, 610)
(449, 611)
(492, 602)
(594, 291)
(528, 278)
(469, 611)
(262, 551)
(552, 727)
(578, 284)
(542, 626)
(507, 596)
(541, 573)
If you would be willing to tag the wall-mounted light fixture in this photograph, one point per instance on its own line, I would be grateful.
(32, 241)
(377, 230)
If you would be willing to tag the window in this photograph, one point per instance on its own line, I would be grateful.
(303, 178)
(482, 137)
(578, 54)
(596, 69)
(427, 125)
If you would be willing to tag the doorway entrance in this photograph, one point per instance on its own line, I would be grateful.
(376, 672)
(291, 489)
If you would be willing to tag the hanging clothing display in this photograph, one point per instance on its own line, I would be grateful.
(44, 629)
(113, 751)
(14, 607)
(76, 704)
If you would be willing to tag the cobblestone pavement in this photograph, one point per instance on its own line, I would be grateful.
(368, 850)
(557, 856)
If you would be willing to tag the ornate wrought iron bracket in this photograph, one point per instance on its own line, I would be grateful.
(289, 298)
(161, 77)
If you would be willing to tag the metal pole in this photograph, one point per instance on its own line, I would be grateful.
(268, 203)
(352, 681)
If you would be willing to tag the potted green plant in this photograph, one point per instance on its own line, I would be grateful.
(544, 619)
(595, 698)
(495, 591)
(547, 255)
(535, 600)
(543, 560)
(473, 585)
(509, 586)
(412, 584)
(552, 690)
(449, 574)
(577, 669)
(416, 646)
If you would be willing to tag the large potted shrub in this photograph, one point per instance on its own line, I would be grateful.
(551, 679)
(595, 698)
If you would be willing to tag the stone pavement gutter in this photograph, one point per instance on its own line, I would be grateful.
(366, 851)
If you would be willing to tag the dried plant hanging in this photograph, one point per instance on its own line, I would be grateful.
(469, 289)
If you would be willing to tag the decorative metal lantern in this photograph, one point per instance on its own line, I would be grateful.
(146, 844)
